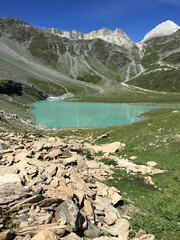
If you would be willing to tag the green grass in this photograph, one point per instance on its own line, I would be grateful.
(108, 161)
(47, 86)
(89, 77)
(162, 80)
(133, 97)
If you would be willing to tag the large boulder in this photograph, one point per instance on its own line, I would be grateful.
(68, 212)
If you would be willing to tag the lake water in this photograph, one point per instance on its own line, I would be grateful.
(59, 114)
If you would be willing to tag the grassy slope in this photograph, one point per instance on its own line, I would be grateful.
(164, 50)
(163, 80)
(155, 139)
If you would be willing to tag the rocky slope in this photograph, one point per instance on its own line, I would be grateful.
(75, 57)
(51, 187)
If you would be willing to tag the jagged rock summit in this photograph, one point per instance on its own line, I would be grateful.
(117, 36)
(164, 29)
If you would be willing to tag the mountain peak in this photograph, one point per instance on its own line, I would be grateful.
(164, 29)
(117, 36)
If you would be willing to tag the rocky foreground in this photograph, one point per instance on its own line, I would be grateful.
(49, 189)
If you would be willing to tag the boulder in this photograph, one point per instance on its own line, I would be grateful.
(122, 229)
(68, 212)
(92, 231)
(3, 146)
(7, 235)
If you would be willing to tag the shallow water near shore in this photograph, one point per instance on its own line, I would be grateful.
(60, 114)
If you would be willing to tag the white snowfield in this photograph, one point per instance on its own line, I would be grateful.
(164, 29)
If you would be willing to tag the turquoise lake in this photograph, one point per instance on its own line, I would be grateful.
(59, 114)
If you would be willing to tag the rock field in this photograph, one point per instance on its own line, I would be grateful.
(50, 190)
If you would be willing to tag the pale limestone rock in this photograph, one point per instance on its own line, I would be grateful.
(23, 224)
(106, 148)
(54, 227)
(10, 188)
(71, 236)
(92, 164)
(145, 237)
(45, 235)
(88, 209)
(21, 155)
(54, 153)
(110, 218)
(113, 195)
(102, 189)
(151, 164)
(107, 238)
(148, 180)
(122, 229)
(44, 218)
(7, 235)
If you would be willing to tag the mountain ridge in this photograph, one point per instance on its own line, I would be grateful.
(96, 63)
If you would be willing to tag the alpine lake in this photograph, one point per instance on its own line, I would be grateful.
(61, 114)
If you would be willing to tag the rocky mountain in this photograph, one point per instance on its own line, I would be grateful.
(161, 62)
(58, 61)
(116, 37)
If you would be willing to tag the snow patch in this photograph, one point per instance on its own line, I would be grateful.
(164, 29)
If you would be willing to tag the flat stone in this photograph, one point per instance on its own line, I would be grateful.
(54, 227)
(71, 236)
(44, 218)
(45, 235)
(23, 224)
(107, 148)
(54, 153)
(107, 238)
(151, 164)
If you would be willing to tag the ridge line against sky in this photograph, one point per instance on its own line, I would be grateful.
(135, 17)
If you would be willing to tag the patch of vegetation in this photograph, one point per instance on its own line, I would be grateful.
(108, 161)
(40, 48)
(160, 80)
(47, 86)
(89, 77)
(173, 58)
(87, 153)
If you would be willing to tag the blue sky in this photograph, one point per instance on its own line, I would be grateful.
(135, 17)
